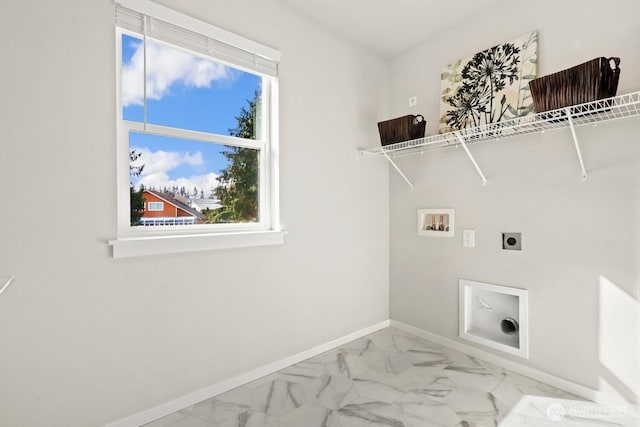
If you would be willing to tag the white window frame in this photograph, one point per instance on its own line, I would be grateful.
(137, 241)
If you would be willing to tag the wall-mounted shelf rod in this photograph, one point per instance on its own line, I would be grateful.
(398, 170)
(473, 160)
(5, 281)
(575, 143)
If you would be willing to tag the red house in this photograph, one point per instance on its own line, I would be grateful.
(162, 209)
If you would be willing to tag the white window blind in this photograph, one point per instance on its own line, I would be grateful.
(163, 24)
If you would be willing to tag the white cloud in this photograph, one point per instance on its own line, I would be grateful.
(166, 66)
(157, 165)
(162, 161)
(193, 159)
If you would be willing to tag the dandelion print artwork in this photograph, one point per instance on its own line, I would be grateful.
(490, 86)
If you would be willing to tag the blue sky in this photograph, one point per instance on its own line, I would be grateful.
(187, 92)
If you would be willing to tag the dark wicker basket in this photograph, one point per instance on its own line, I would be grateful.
(402, 129)
(588, 82)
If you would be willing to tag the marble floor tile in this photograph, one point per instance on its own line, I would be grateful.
(520, 380)
(416, 378)
(187, 422)
(240, 396)
(393, 379)
(346, 365)
(378, 360)
(547, 411)
(326, 357)
(429, 357)
(393, 339)
(251, 419)
(509, 376)
(167, 421)
(215, 411)
(420, 411)
(310, 416)
(400, 362)
(380, 386)
(476, 406)
(302, 372)
(426, 382)
(262, 381)
(508, 393)
(360, 347)
(476, 378)
(277, 397)
(330, 392)
(369, 413)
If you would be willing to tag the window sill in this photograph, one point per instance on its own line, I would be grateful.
(142, 246)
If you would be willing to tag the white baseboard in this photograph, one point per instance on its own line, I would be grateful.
(552, 380)
(165, 409)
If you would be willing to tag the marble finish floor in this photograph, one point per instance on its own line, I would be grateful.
(391, 378)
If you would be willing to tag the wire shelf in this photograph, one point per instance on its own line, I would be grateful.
(617, 107)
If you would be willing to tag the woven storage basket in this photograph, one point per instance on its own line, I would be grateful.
(588, 82)
(401, 129)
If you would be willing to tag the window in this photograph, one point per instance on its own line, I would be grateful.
(156, 206)
(197, 131)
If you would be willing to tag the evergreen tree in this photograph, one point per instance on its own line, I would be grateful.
(238, 182)
(136, 198)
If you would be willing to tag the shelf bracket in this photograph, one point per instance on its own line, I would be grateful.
(575, 143)
(5, 282)
(466, 149)
(397, 169)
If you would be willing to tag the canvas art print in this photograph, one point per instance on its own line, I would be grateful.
(490, 86)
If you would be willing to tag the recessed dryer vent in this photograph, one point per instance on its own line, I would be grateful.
(512, 241)
(495, 316)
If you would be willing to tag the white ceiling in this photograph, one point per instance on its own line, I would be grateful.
(388, 27)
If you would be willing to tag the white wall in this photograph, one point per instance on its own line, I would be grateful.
(87, 339)
(581, 240)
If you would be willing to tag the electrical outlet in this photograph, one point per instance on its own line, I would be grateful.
(413, 101)
(468, 238)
